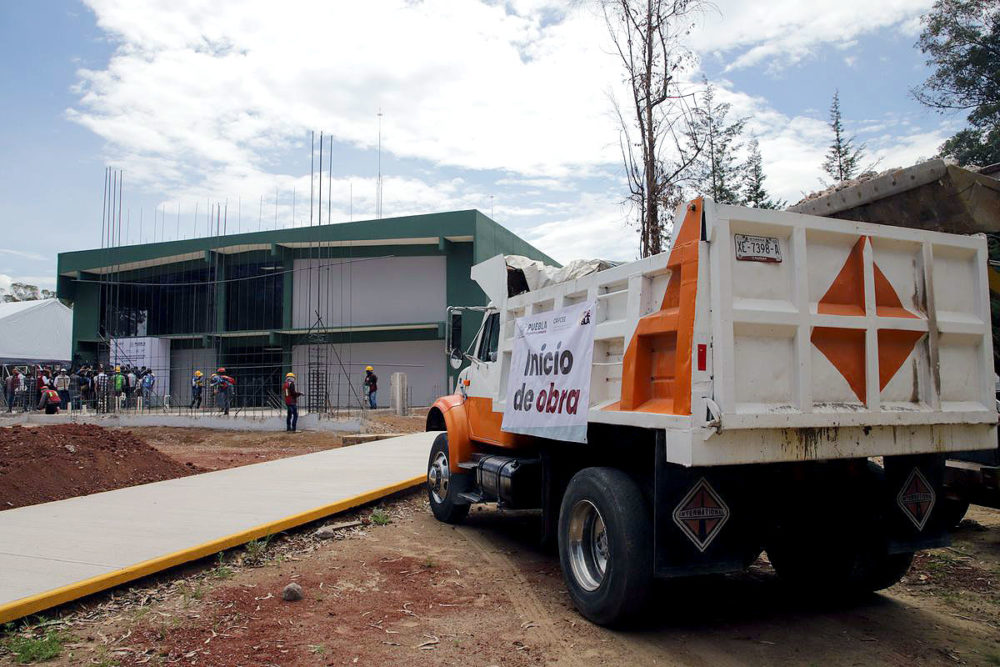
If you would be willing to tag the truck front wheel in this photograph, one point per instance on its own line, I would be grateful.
(442, 485)
(605, 545)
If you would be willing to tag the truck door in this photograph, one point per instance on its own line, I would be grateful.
(484, 381)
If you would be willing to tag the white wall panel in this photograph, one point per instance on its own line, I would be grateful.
(424, 363)
(379, 290)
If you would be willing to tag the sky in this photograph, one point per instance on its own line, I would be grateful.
(501, 106)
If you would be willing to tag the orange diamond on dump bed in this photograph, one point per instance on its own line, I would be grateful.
(844, 347)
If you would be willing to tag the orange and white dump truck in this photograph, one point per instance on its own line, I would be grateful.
(775, 382)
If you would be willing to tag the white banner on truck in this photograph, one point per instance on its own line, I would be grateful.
(548, 387)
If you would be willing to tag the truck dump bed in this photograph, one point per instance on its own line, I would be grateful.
(766, 336)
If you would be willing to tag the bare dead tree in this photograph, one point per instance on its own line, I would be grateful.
(648, 36)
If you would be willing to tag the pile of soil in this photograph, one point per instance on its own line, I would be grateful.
(38, 465)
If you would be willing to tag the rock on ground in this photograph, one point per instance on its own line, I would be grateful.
(292, 592)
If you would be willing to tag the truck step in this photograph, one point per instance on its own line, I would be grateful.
(468, 465)
(472, 497)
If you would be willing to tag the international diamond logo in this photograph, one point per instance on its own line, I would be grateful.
(916, 499)
(701, 514)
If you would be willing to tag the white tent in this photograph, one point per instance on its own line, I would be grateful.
(35, 331)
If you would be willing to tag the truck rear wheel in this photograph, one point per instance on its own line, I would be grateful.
(442, 489)
(841, 555)
(605, 545)
(814, 566)
(953, 510)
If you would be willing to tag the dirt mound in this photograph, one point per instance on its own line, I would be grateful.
(38, 465)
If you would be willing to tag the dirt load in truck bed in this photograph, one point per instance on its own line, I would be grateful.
(39, 465)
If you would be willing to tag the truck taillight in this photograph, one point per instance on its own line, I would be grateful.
(702, 357)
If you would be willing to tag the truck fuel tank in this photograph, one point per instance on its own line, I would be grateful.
(514, 483)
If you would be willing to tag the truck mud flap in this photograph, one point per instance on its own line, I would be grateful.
(705, 519)
(912, 503)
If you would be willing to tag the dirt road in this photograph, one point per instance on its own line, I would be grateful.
(419, 592)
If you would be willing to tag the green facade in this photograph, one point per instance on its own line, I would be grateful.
(464, 238)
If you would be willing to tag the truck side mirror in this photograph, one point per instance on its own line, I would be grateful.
(455, 339)
(455, 358)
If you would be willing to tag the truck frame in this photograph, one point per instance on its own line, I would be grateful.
(775, 382)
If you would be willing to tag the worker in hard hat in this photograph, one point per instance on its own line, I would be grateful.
(371, 385)
(291, 395)
(61, 384)
(197, 386)
(222, 385)
(49, 401)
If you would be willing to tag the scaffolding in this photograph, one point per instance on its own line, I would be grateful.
(223, 312)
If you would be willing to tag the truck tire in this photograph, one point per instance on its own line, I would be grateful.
(953, 510)
(442, 492)
(605, 545)
(886, 570)
(841, 559)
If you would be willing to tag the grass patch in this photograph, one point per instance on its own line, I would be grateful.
(27, 650)
(255, 552)
(380, 517)
(221, 570)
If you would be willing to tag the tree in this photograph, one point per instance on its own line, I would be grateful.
(24, 292)
(843, 159)
(648, 36)
(961, 39)
(754, 193)
(716, 171)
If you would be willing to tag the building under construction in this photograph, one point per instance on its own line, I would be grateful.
(324, 301)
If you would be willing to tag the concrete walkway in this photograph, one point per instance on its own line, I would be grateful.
(60, 551)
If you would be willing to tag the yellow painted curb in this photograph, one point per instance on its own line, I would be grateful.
(57, 596)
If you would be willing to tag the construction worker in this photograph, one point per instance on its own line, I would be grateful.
(131, 384)
(102, 389)
(10, 383)
(371, 384)
(197, 385)
(291, 395)
(61, 383)
(147, 383)
(49, 401)
(118, 386)
(223, 387)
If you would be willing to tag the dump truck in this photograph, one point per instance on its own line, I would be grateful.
(775, 382)
(937, 196)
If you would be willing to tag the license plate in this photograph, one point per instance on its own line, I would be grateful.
(757, 248)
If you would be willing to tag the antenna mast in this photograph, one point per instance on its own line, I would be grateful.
(378, 183)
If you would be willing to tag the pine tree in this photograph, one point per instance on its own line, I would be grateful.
(843, 159)
(754, 193)
(717, 171)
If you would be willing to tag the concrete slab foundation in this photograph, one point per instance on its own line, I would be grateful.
(61, 551)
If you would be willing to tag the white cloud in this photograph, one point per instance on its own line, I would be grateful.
(23, 254)
(39, 281)
(779, 33)
(463, 84)
(200, 99)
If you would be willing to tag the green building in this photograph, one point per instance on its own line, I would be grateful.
(324, 301)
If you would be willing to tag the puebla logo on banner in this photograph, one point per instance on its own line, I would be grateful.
(548, 387)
